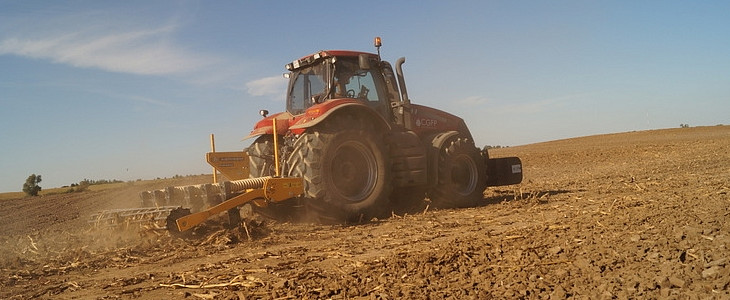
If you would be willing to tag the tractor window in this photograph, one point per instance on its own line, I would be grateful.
(361, 86)
(352, 82)
(306, 84)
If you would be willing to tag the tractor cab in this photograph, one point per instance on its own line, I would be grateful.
(338, 75)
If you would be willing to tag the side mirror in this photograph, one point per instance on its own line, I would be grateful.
(364, 62)
(263, 113)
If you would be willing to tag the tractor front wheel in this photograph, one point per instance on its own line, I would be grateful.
(261, 163)
(261, 157)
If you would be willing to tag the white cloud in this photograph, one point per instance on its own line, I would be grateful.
(269, 86)
(146, 52)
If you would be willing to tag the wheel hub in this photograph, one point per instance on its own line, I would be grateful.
(354, 171)
(464, 175)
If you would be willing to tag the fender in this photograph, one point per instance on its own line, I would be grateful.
(320, 112)
(265, 126)
(437, 142)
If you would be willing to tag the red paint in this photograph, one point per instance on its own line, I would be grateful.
(426, 119)
(284, 120)
(265, 125)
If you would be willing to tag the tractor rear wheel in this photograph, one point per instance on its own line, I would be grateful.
(345, 170)
(462, 175)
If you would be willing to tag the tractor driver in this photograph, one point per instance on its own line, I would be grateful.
(344, 72)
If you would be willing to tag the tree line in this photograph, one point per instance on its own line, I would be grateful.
(32, 187)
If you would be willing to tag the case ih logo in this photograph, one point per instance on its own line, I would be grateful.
(426, 123)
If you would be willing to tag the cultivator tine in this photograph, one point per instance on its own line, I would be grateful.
(129, 216)
(157, 204)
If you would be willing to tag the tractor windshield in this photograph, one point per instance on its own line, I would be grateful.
(307, 86)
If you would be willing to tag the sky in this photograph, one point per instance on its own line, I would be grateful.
(126, 90)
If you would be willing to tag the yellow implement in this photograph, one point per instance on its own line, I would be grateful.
(261, 190)
(207, 200)
(233, 165)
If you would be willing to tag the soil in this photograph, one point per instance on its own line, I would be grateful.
(619, 216)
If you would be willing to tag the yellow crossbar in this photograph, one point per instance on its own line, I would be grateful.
(274, 190)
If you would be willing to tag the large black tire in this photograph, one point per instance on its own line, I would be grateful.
(261, 163)
(462, 175)
(345, 170)
(261, 157)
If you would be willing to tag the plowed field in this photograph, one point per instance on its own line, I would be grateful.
(620, 216)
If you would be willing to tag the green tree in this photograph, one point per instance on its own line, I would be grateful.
(31, 187)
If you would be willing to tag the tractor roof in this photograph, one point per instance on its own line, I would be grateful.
(312, 58)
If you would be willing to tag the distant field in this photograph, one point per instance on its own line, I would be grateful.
(54, 191)
(93, 188)
(11, 195)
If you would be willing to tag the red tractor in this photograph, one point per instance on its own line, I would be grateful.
(350, 146)
(362, 148)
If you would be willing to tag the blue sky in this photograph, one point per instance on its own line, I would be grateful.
(132, 89)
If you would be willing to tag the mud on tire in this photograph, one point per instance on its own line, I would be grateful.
(461, 175)
(345, 170)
